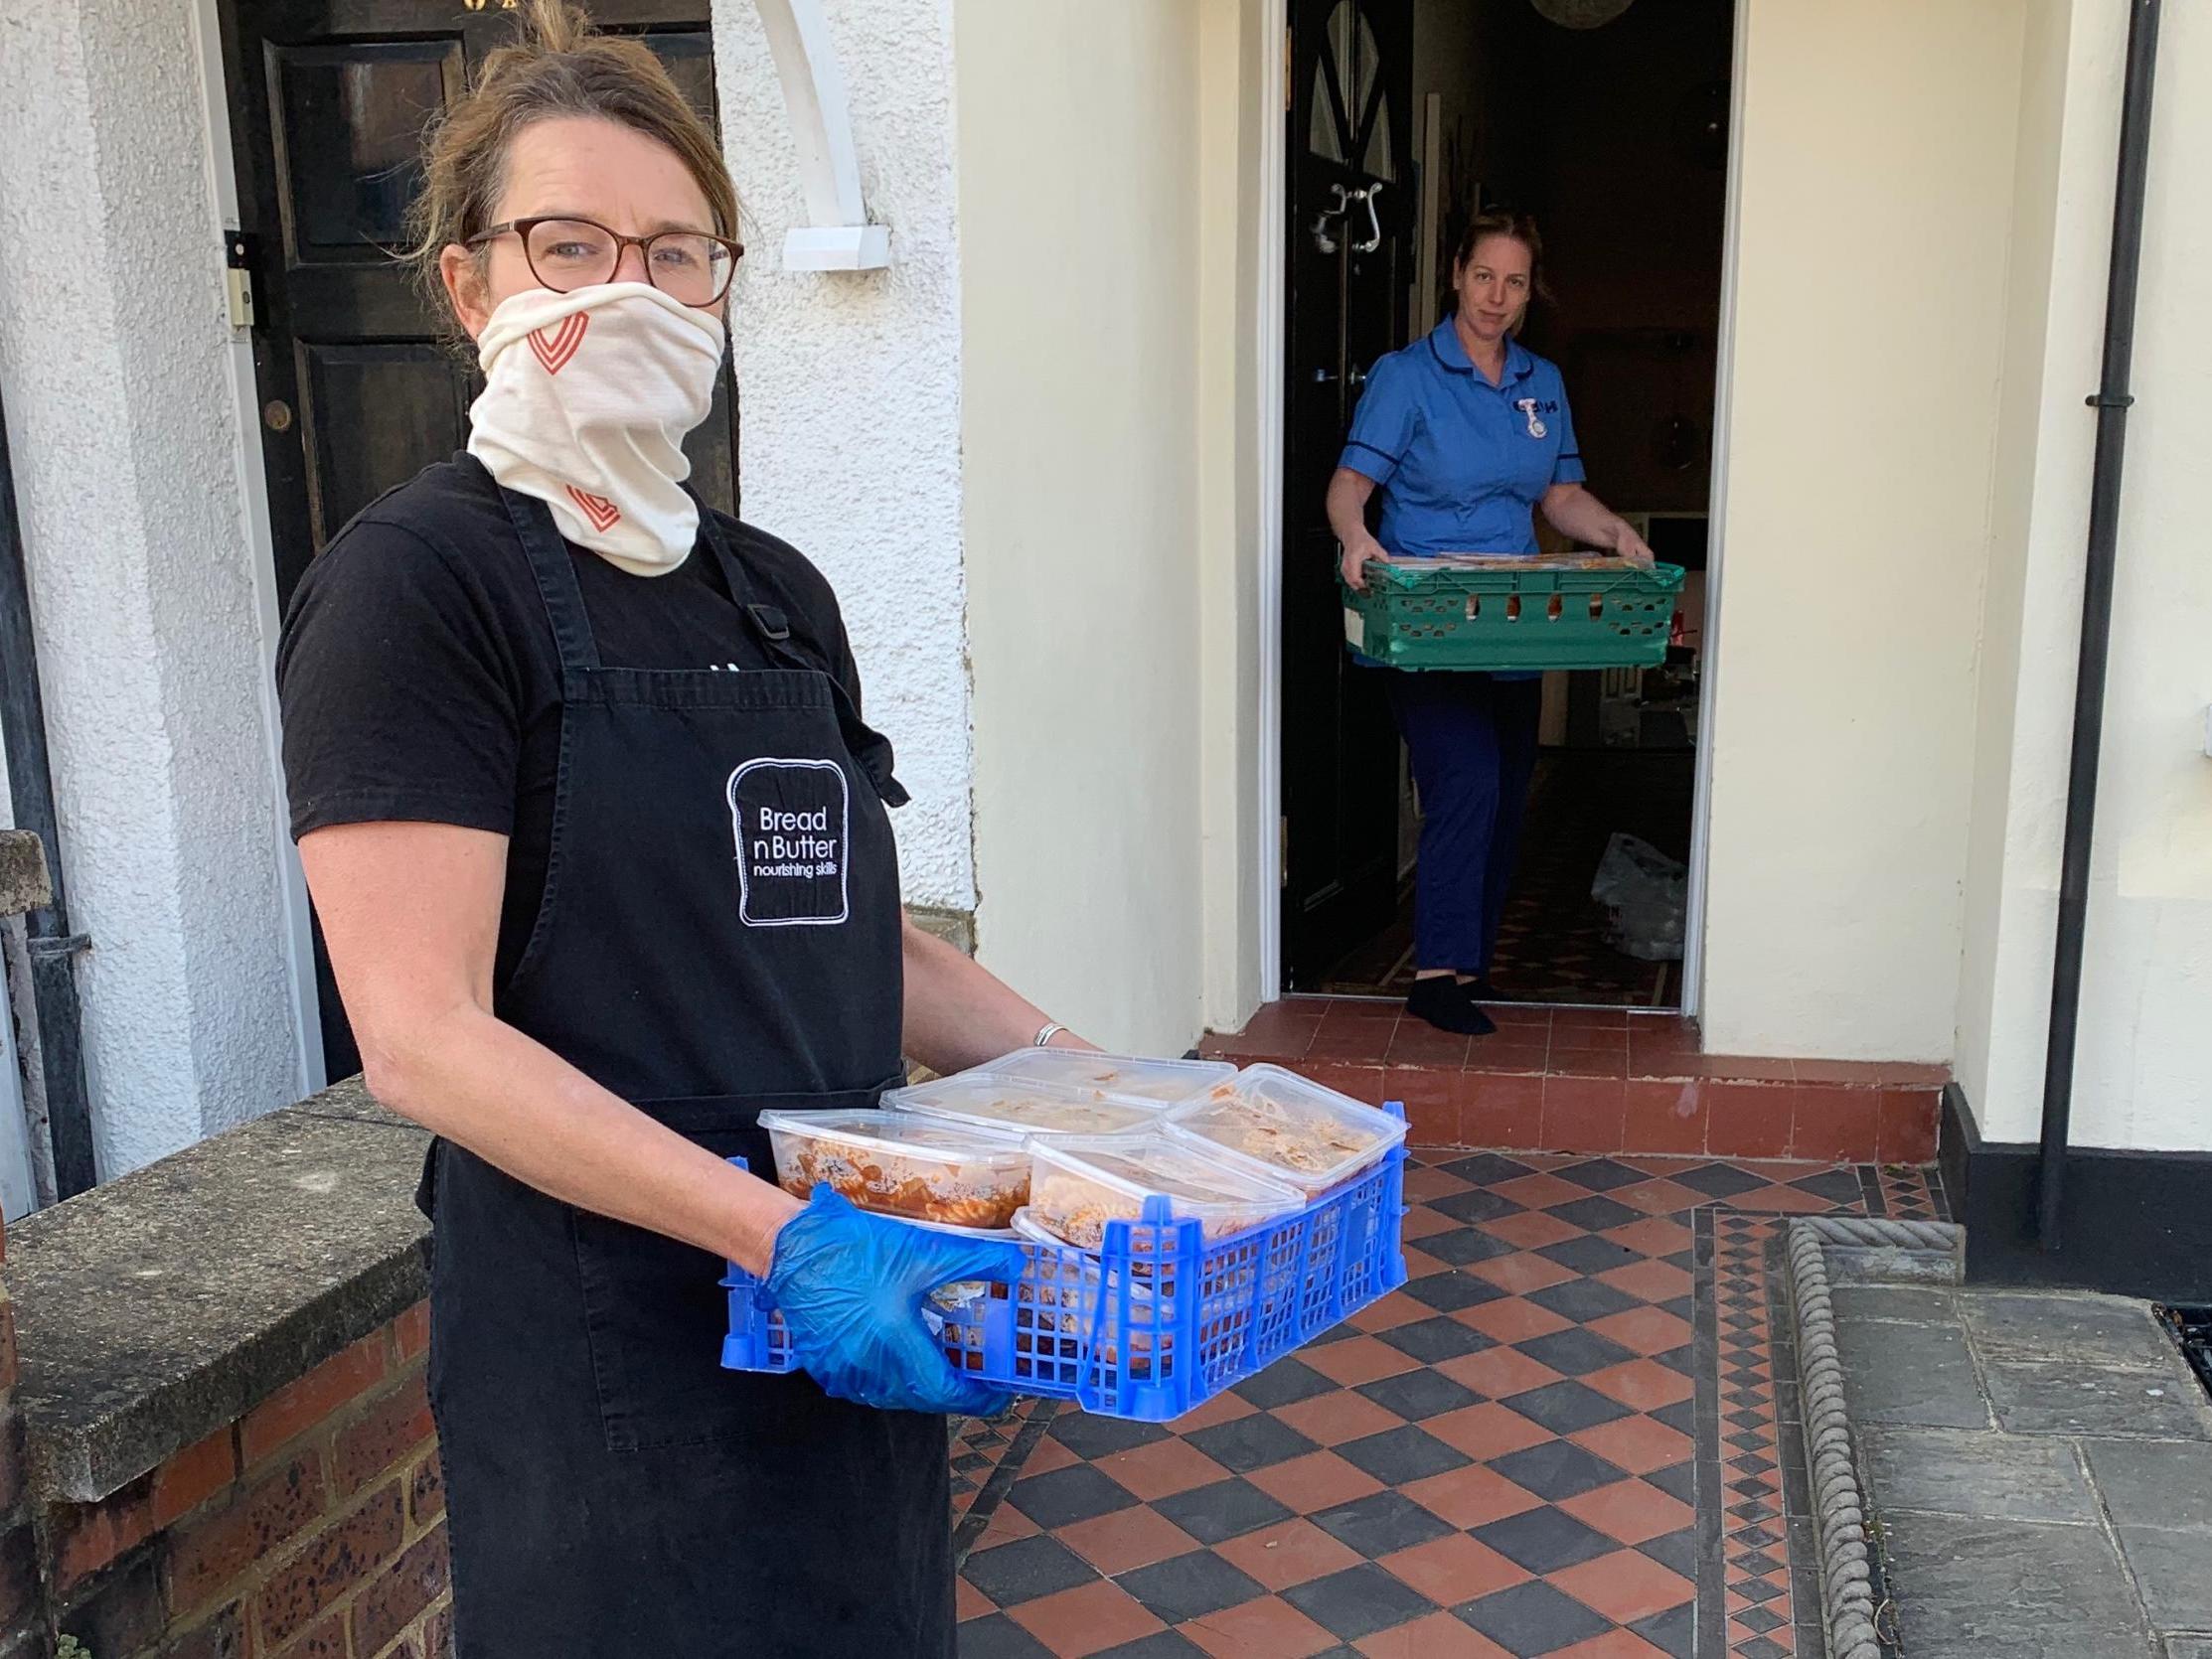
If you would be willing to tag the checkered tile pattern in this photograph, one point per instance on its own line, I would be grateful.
(1497, 1459)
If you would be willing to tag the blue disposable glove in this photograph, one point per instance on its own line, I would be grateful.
(850, 1286)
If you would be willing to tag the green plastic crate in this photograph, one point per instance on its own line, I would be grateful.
(1512, 613)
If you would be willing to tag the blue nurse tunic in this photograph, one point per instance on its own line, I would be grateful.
(1460, 463)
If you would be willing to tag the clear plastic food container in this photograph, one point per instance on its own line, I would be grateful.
(1010, 1106)
(1079, 1183)
(895, 1163)
(1111, 1076)
(1274, 1124)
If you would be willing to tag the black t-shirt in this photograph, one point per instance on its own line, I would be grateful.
(420, 681)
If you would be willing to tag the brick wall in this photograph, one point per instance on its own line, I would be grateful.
(25, 1629)
(311, 1528)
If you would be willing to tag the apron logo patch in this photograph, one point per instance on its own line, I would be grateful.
(792, 822)
(555, 346)
(601, 512)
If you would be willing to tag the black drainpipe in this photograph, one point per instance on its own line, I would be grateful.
(2110, 402)
(53, 948)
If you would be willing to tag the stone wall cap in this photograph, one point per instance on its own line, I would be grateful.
(22, 880)
(154, 1309)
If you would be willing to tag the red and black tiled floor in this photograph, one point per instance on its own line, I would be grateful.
(1565, 1434)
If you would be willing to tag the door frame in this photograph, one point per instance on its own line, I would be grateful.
(1272, 150)
(208, 23)
(1272, 319)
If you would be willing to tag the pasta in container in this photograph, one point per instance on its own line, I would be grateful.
(1276, 1124)
(1080, 1183)
(896, 1164)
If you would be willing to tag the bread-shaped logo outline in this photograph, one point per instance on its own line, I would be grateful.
(602, 513)
(555, 348)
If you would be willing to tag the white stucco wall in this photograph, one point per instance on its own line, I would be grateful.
(114, 354)
(2144, 1075)
(1875, 198)
(1078, 139)
(849, 389)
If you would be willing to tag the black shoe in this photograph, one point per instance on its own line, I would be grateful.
(1443, 1002)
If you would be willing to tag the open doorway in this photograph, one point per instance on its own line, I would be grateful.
(1606, 122)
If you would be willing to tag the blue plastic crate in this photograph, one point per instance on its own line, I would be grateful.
(1155, 1321)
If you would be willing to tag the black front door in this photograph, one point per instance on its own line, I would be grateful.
(359, 386)
(1351, 210)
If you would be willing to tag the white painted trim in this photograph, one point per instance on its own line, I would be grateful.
(836, 248)
(222, 195)
(1274, 72)
(822, 133)
(1717, 514)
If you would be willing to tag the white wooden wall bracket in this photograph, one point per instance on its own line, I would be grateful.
(836, 235)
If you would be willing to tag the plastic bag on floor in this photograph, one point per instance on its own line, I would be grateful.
(1649, 896)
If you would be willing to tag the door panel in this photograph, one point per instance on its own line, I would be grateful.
(1350, 217)
(421, 407)
(359, 386)
(347, 128)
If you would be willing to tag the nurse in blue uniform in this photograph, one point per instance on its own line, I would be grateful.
(1466, 433)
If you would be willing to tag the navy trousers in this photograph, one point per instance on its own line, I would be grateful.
(1472, 743)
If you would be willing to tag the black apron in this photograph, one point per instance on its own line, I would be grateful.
(720, 933)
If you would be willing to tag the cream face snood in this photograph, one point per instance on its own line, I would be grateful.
(587, 398)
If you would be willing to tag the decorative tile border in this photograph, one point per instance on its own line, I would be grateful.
(1909, 1194)
(986, 1456)
(1746, 1607)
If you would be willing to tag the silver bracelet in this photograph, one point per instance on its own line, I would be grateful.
(1050, 1029)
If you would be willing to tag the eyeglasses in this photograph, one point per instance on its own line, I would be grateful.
(565, 253)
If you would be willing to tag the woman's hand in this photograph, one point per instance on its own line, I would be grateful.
(1347, 505)
(1353, 562)
(1632, 547)
(1576, 513)
(850, 1286)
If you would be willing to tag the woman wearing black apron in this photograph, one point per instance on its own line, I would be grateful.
(600, 849)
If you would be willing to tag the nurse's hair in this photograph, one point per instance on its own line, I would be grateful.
(1515, 226)
(560, 66)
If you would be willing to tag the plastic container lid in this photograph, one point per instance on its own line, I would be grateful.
(1113, 1077)
(1079, 1183)
(1026, 1226)
(1274, 1124)
(896, 1164)
(1011, 1106)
